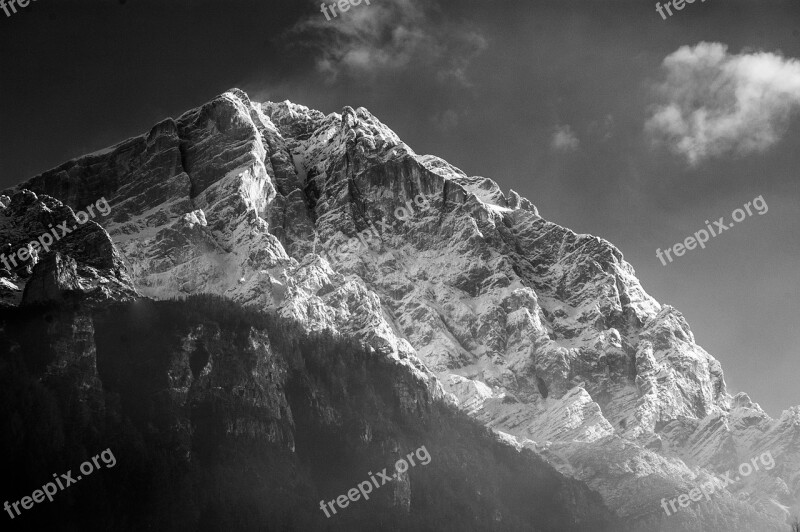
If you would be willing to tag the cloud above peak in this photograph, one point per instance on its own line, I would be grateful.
(564, 139)
(387, 35)
(714, 103)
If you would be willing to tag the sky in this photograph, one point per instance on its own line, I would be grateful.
(613, 120)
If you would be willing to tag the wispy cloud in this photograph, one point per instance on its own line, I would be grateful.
(715, 103)
(564, 140)
(388, 35)
(447, 120)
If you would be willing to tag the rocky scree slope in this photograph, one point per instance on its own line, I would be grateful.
(542, 334)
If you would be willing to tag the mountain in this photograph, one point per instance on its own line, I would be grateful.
(332, 222)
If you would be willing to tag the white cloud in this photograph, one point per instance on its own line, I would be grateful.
(564, 139)
(387, 35)
(447, 120)
(715, 103)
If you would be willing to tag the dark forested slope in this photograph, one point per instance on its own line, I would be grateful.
(223, 418)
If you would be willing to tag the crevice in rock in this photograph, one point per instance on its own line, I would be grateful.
(185, 168)
(542, 387)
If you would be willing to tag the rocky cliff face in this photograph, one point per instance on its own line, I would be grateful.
(540, 333)
(62, 258)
